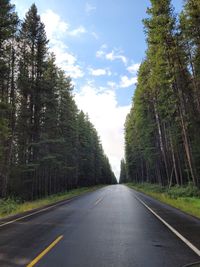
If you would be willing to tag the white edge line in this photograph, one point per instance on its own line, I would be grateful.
(31, 214)
(185, 240)
(47, 208)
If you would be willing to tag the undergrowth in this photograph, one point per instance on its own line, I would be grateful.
(185, 198)
(11, 205)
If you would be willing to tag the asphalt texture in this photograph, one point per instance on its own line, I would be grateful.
(108, 227)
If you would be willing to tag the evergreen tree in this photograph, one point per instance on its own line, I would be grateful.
(68, 131)
(8, 27)
(162, 144)
(123, 177)
(190, 34)
(33, 52)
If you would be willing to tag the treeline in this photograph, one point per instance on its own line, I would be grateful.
(46, 144)
(162, 131)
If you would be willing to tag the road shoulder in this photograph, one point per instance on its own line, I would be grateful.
(187, 225)
(19, 216)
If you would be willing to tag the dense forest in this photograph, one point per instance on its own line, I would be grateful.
(162, 130)
(46, 144)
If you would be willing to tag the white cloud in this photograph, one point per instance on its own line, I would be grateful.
(66, 60)
(126, 82)
(73, 71)
(89, 8)
(54, 26)
(108, 118)
(57, 28)
(95, 35)
(109, 73)
(114, 55)
(104, 46)
(101, 52)
(21, 9)
(99, 72)
(60, 50)
(112, 85)
(134, 68)
(78, 31)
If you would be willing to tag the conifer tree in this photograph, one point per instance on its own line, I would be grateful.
(123, 177)
(162, 144)
(8, 27)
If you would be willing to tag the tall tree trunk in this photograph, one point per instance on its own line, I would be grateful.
(174, 161)
(161, 139)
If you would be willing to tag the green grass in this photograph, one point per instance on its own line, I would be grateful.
(13, 206)
(185, 198)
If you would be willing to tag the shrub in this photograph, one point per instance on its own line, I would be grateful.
(8, 205)
(184, 191)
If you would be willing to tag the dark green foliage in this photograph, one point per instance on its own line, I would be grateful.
(8, 27)
(123, 175)
(162, 129)
(8, 205)
(184, 191)
(94, 166)
(46, 145)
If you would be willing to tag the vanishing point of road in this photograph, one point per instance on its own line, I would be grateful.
(108, 227)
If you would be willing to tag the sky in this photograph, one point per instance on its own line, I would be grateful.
(100, 44)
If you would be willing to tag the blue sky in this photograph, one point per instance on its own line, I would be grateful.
(100, 44)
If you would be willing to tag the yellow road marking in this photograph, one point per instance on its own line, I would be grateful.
(44, 252)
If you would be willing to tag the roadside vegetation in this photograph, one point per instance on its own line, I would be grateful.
(12, 206)
(185, 198)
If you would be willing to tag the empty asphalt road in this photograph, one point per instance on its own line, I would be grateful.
(108, 227)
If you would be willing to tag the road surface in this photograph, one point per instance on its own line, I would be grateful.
(108, 227)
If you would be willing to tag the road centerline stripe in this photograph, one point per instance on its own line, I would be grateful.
(98, 201)
(44, 252)
(185, 240)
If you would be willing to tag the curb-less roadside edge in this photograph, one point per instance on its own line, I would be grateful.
(172, 229)
(20, 216)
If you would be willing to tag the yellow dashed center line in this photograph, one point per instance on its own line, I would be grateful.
(44, 252)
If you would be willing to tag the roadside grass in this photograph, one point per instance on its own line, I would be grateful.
(185, 198)
(11, 206)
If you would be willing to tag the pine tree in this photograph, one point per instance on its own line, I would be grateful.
(190, 33)
(33, 52)
(161, 129)
(8, 27)
(123, 177)
(68, 131)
